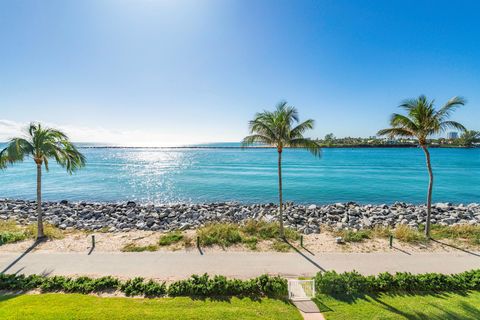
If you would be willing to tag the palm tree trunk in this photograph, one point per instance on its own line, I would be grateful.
(40, 234)
(429, 195)
(280, 194)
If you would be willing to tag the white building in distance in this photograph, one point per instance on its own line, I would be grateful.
(452, 135)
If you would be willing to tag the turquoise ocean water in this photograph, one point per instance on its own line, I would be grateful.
(250, 176)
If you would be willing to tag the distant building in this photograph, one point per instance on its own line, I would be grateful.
(452, 135)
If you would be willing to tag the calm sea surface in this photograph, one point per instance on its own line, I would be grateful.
(249, 176)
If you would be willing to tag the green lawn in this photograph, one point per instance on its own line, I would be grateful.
(446, 306)
(77, 306)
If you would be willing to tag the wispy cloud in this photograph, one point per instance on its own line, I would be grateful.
(147, 138)
(9, 129)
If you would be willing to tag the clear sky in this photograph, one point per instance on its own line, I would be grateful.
(152, 72)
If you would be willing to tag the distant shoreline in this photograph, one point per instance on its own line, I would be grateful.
(266, 147)
(80, 145)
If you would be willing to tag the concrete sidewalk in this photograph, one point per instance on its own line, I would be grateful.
(179, 265)
(308, 310)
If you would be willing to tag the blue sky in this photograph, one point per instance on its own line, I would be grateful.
(151, 72)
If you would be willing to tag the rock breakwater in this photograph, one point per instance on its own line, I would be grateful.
(127, 216)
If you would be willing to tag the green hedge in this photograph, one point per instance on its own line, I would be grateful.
(329, 282)
(221, 286)
(204, 286)
(138, 287)
(350, 283)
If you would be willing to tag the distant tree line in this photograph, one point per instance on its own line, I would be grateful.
(469, 138)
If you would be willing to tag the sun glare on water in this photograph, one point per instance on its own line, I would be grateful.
(152, 172)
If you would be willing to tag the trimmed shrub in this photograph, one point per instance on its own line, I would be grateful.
(195, 286)
(104, 284)
(20, 282)
(88, 285)
(272, 286)
(138, 287)
(204, 286)
(55, 283)
(133, 287)
(330, 282)
(154, 289)
(350, 283)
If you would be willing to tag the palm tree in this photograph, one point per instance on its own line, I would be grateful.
(469, 137)
(421, 122)
(281, 129)
(42, 144)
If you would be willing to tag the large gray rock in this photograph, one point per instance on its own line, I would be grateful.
(307, 219)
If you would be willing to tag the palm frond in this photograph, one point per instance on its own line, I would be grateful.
(286, 113)
(16, 150)
(32, 128)
(401, 121)
(412, 104)
(300, 129)
(263, 128)
(257, 138)
(304, 143)
(445, 125)
(449, 107)
(396, 132)
(45, 163)
(71, 158)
